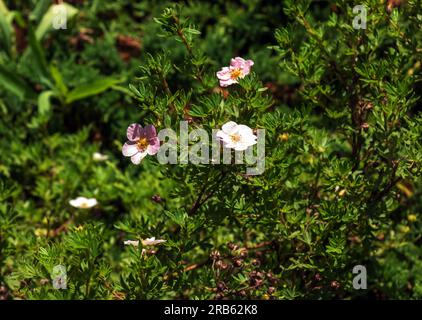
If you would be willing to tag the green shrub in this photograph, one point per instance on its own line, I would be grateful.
(342, 182)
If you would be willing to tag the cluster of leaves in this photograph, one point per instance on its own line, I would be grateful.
(342, 183)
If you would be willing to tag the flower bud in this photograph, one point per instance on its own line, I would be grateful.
(364, 125)
(215, 255)
(243, 253)
(242, 293)
(256, 262)
(335, 284)
(412, 217)
(157, 199)
(237, 262)
(221, 286)
(220, 264)
(4, 293)
(232, 246)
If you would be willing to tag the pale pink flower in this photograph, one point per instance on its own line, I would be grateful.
(97, 156)
(238, 69)
(83, 203)
(134, 243)
(236, 136)
(142, 141)
(152, 241)
(147, 242)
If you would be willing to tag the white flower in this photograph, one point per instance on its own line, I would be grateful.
(147, 242)
(99, 156)
(59, 277)
(131, 243)
(83, 203)
(152, 241)
(60, 282)
(236, 136)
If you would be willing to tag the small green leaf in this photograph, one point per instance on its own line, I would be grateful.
(91, 89)
(37, 53)
(192, 31)
(44, 105)
(40, 9)
(5, 33)
(3, 9)
(15, 84)
(58, 79)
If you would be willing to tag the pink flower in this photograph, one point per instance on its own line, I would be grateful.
(238, 69)
(142, 141)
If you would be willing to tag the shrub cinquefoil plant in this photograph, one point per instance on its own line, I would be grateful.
(334, 109)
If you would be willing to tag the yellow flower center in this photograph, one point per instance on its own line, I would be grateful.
(142, 144)
(284, 136)
(235, 137)
(84, 205)
(236, 73)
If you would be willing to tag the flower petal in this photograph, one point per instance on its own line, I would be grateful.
(154, 146)
(244, 130)
(249, 143)
(248, 140)
(137, 158)
(96, 156)
(226, 83)
(229, 127)
(134, 243)
(222, 135)
(152, 241)
(224, 74)
(133, 132)
(150, 131)
(229, 145)
(74, 203)
(142, 133)
(245, 71)
(237, 62)
(129, 149)
(247, 67)
(91, 202)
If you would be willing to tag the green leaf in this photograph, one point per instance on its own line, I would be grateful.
(192, 31)
(37, 53)
(124, 90)
(91, 89)
(197, 111)
(58, 79)
(3, 9)
(5, 32)
(44, 105)
(40, 9)
(15, 84)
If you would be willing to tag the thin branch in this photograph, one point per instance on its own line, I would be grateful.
(199, 201)
(188, 47)
(187, 269)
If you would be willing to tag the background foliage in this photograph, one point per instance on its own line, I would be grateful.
(343, 124)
